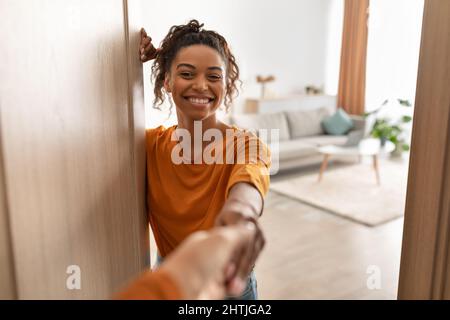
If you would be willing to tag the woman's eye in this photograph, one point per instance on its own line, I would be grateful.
(186, 74)
(215, 77)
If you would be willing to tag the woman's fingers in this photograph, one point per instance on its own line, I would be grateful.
(144, 38)
(244, 259)
(146, 42)
(236, 287)
(245, 262)
(260, 242)
(143, 45)
(252, 251)
(150, 51)
(146, 49)
(235, 283)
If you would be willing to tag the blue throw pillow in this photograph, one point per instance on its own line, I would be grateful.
(338, 124)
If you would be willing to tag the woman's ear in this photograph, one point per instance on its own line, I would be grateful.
(167, 84)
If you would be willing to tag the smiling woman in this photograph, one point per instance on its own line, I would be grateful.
(219, 58)
(196, 70)
(197, 83)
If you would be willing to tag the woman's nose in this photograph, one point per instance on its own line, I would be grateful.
(200, 84)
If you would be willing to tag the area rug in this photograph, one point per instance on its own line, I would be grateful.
(351, 192)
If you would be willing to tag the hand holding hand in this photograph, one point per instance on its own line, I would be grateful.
(205, 264)
(246, 258)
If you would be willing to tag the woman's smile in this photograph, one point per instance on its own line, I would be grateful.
(199, 101)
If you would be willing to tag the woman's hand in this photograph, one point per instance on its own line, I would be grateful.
(244, 205)
(246, 259)
(147, 51)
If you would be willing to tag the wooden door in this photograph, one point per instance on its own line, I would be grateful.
(72, 137)
(425, 264)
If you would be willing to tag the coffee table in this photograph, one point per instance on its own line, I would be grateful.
(367, 147)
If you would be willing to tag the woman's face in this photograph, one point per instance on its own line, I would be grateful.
(197, 81)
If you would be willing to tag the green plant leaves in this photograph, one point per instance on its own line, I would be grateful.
(405, 103)
(386, 129)
(406, 119)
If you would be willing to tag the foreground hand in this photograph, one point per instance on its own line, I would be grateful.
(205, 265)
(147, 51)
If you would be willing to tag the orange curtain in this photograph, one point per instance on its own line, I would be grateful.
(352, 79)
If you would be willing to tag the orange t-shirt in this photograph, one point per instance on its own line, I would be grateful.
(184, 198)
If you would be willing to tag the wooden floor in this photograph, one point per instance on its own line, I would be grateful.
(312, 254)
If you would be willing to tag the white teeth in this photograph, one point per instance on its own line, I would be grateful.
(199, 101)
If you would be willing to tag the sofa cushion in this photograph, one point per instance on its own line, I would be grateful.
(263, 121)
(294, 149)
(306, 123)
(323, 140)
(338, 124)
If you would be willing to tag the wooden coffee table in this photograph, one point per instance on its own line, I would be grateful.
(367, 147)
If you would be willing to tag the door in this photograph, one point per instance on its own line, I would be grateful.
(72, 148)
(425, 264)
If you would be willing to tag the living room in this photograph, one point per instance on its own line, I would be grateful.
(333, 215)
(74, 206)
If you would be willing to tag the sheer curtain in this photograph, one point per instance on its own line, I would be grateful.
(393, 50)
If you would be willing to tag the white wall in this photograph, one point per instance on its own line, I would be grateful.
(298, 41)
(335, 21)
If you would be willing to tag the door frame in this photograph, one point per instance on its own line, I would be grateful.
(8, 288)
(425, 265)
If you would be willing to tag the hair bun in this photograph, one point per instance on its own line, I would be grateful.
(194, 26)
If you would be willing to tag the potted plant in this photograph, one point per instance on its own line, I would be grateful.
(391, 128)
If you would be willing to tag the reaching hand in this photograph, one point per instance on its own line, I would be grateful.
(147, 51)
(207, 264)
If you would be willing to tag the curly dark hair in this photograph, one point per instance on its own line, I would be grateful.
(183, 36)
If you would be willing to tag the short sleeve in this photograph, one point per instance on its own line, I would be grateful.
(151, 135)
(255, 170)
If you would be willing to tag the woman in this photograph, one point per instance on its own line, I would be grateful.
(197, 71)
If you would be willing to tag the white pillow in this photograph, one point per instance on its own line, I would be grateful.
(306, 123)
(263, 121)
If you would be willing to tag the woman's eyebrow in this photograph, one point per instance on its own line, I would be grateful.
(190, 66)
(185, 65)
(215, 68)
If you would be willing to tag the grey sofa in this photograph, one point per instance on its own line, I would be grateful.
(301, 133)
